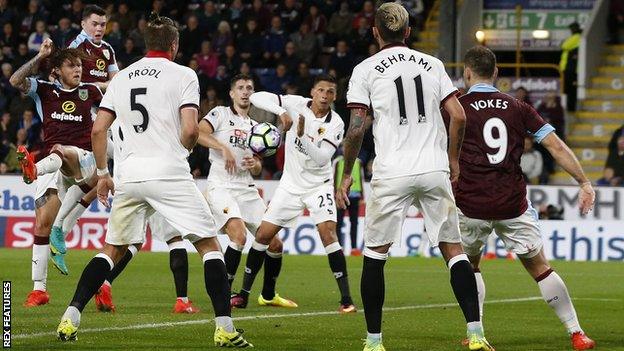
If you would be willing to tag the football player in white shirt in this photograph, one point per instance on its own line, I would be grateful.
(155, 101)
(161, 230)
(406, 89)
(307, 181)
(232, 196)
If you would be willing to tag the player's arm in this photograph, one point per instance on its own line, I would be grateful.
(568, 161)
(206, 139)
(272, 103)
(457, 128)
(19, 79)
(321, 154)
(190, 128)
(352, 145)
(99, 142)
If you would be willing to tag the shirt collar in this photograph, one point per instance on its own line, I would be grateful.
(158, 53)
(482, 88)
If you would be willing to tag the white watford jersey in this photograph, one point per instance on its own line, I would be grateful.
(146, 98)
(301, 173)
(405, 89)
(233, 131)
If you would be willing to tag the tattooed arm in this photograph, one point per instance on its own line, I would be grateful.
(19, 79)
(456, 133)
(352, 145)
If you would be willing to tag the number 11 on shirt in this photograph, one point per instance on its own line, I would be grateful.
(420, 103)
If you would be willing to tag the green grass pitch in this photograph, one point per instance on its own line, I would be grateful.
(421, 315)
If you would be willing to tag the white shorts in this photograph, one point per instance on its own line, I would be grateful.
(285, 207)
(387, 205)
(241, 202)
(179, 201)
(521, 235)
(161, 229)
(87, 163)
(45, 182)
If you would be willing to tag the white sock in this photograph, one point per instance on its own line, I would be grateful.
(475, 327)
(481, 293)
(73, 314)
(556, 296)
(70, 200)
(226, 323)
(72, 217)
(491, 243)
(375, 337)
(40, 255)
(49, 164)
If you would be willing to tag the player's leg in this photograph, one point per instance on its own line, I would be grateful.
(354, 219)
(385, 212)
(236, 231)
(522, 236)
(255, 259)
(435, 199)
(104, 295)
(91, 279)
(72, 217)
(339, 224)
(184, 207)
(474, 234)
(70, 202)
(555, 293)
(322, 209)
(281, 212)
(337, 264)
(178, 263)
(46, 205)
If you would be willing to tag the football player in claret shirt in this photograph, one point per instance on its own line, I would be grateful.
(65, 110)
(99, 67)
(491, 191)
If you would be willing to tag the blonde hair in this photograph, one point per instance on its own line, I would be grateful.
(391, 20)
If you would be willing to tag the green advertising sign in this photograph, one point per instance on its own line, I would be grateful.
(549, 20)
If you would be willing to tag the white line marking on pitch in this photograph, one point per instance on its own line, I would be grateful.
(283, 315)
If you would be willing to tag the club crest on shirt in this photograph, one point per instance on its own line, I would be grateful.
(226, 210)
(321, 131)
(106, 54)
(83, 94)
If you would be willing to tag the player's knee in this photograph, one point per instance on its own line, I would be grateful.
(239, 237)
(43, 226)
(276, 245)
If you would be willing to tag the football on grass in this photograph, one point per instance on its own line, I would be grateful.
(265, 138)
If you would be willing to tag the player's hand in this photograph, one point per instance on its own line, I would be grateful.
(230, 160)
(342, 193)
(104, 185)
(301, 126)
(249, 162)
(586, 198)
(454, 165)
(46, 48)
(286, 121)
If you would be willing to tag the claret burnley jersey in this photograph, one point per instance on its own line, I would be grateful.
(100, 58)
(66, 114)
(491, 185)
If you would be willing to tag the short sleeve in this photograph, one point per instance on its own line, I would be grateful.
(447, 89)
(335, 134)
(190, 91)
(34, 85)
(107, 100)
(214, 118)
(358, 95)
(534, 123)
(112, 66)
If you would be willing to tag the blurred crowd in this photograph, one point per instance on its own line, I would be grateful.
(281, 43)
